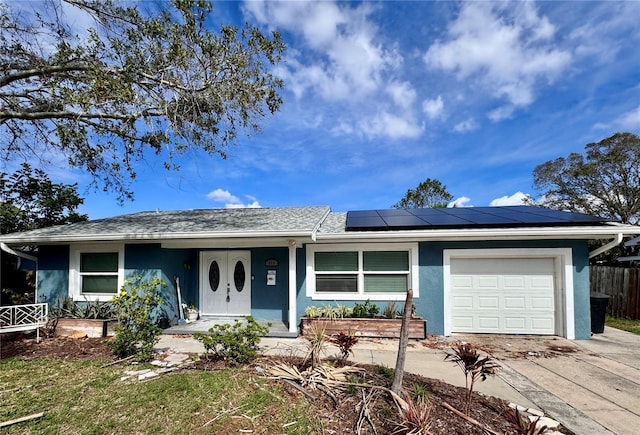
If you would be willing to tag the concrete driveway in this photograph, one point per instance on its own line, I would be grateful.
(590, 386)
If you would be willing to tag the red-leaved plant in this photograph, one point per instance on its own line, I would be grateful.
(345, 342)
(475, 367)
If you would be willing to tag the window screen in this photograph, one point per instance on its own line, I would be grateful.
(98, 272)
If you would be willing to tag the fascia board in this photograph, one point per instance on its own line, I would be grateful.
(536, 233)
(119, 237)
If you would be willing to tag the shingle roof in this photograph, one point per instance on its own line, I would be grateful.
(202, 222)
(335, 223)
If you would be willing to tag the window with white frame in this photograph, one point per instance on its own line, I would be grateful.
(96, 272)
(375, 271)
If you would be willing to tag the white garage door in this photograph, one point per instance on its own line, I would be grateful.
(502, 295)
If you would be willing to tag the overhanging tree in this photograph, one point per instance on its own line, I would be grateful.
(30, 200)
(133, 83)
(430, 193)
(605, 181)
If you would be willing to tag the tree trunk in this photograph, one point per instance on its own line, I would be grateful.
(396, 386)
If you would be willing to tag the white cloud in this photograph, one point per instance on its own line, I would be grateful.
(515, 199)
(254, 204)
(466, 125)
(403, 94)
(630, 120)
(343, 60)
(390, 125)
(599, 36)
(232, 201)
(433, 108)
(463, 201)
(501, 113)
(505, 47)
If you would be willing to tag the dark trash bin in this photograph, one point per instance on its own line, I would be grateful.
(599, 302)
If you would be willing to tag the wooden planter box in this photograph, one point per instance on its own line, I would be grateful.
(91, 327)
(368, 327)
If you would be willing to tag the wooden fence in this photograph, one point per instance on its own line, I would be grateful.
(623, 287)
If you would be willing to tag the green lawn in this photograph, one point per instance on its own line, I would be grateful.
(82, 398)
(624, 324)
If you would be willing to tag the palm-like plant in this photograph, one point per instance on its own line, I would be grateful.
(475, 367)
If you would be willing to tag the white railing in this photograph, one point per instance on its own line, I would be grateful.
(15, 318)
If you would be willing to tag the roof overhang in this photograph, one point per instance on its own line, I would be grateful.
(469, 234)
(187, 237)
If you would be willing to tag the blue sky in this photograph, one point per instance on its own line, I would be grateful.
(380, 96)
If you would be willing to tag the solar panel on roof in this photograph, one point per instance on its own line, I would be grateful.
(405, 221)
(365, 222)
(394, 212)
(464, 217)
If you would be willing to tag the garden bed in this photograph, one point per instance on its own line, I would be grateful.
(367, 327)
(94, 328)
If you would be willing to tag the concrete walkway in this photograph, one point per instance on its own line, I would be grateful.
(594, 390)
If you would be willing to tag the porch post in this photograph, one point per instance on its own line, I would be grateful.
(293, 318)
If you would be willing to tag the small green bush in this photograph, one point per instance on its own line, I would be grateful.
(237, 343)
(136, 333)
(365, 310)
(385, 371)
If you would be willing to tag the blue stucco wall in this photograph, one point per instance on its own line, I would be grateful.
(431, 303)
(151, 260)
(53, 274)
(270, 302)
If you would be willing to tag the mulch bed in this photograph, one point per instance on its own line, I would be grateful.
(339, 414)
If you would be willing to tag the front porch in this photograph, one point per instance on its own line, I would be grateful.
(278, 328)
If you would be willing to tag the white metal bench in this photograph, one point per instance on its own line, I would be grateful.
(17, 318)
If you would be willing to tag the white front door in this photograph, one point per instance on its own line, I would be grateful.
(225, 283)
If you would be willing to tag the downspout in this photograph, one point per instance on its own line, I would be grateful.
(314, 232)
(612, 244)
(8, 250)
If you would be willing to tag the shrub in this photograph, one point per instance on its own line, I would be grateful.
(136, 333)
(390, 310)
(312, 311)
(343, 311)
(474, 367)
(345, 342)
(70, 309)
(416, 418)
(385, 371)
(237, 343)
(365, 310)
(418, 391)
(316, 337)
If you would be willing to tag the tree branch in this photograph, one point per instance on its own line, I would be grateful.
(37, 115)
(37, 72)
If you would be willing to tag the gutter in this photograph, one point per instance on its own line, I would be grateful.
(612, 244)
(123, 237)
(524, 233)
(8, 250)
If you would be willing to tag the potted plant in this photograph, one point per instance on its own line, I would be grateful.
(190, 312)
(87, 318)
(363, 320)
